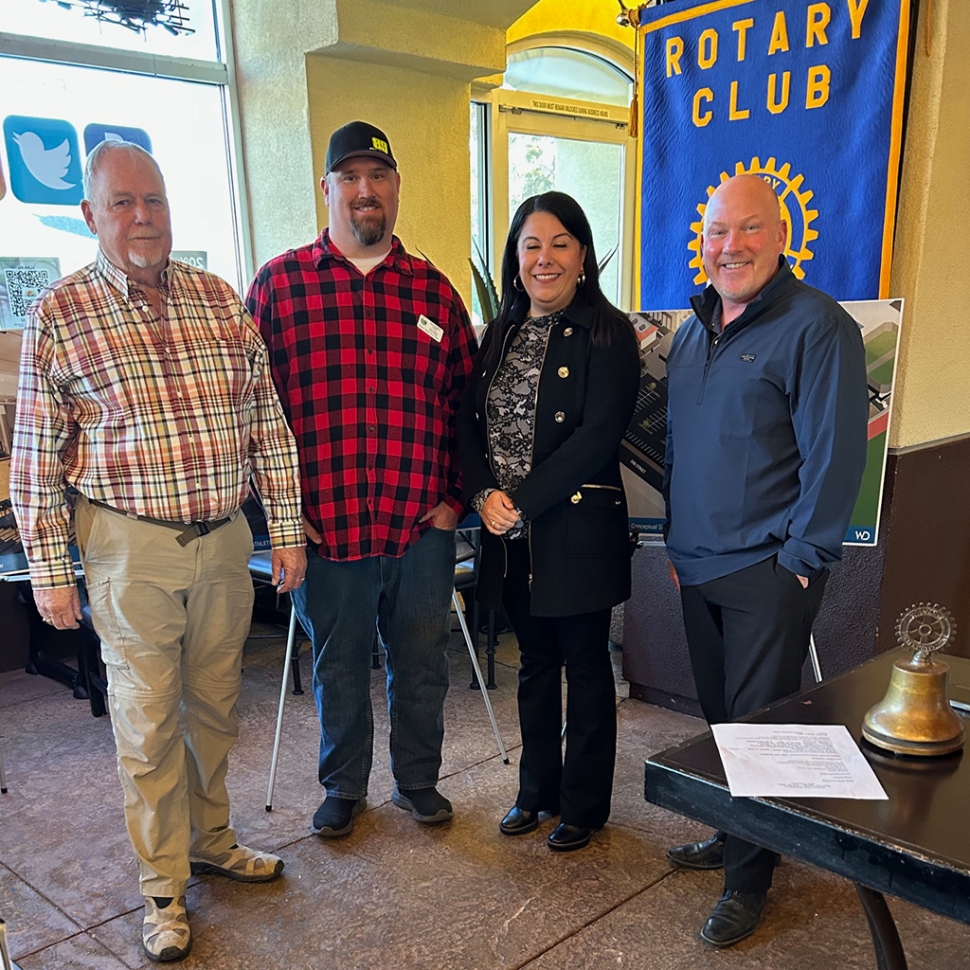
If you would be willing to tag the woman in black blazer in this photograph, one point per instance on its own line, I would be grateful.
(539, 431)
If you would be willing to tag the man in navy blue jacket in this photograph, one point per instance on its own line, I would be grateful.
(766, 444)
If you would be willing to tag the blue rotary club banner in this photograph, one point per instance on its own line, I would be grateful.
(808, 95)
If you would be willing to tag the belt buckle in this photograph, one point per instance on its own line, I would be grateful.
(193, 531)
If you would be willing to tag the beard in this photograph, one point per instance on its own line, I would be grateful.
(368, 229)
(144, 256)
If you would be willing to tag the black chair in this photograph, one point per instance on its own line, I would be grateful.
(85, 681)
(89, 660)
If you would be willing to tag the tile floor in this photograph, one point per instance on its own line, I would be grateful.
(395, 894)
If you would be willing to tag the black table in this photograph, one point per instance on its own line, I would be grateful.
(915, 846)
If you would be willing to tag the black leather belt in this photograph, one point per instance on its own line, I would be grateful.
(187, 531)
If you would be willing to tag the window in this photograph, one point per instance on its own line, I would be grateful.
(560, 121)
(567, 73)
(481, 235)
(591, 171)
(61, 99)
(191, 31)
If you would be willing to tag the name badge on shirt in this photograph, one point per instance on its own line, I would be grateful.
(431, 329)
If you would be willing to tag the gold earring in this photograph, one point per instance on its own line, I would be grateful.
(580, 281)
(517, 284)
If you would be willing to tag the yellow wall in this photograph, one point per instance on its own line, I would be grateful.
(428, 132)
(933, 383)
(306, 67)
(587, 16)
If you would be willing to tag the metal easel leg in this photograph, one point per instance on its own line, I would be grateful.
(478, 673)
(290, 638)
(813, 653)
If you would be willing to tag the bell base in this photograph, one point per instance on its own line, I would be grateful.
(920, 748)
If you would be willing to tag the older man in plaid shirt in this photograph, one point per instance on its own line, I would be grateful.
(144, 384)
(370, 348)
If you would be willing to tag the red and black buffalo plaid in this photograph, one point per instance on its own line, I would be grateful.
(370, 371)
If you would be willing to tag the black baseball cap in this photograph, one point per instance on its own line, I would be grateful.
(358, 138)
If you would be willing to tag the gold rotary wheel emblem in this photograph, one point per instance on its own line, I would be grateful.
(925, 628)
(794, 201)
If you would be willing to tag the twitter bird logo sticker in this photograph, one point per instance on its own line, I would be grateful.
(94, 134)
(45, 163)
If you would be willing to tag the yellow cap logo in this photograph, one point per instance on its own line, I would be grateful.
(381, 145)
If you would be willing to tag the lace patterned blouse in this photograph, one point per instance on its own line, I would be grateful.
(511, 411)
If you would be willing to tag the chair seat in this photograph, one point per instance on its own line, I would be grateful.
(465, 575)
(261, 565)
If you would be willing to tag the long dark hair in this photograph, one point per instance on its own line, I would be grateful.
(607, 321)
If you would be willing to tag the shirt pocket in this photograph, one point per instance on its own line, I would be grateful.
(217, 368)
(424, 360)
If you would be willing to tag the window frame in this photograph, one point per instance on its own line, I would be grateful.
(221, 74)
(512, 111)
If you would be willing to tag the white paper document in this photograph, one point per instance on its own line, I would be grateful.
(795, 761)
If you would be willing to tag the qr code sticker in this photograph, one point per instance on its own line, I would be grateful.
(23, 288)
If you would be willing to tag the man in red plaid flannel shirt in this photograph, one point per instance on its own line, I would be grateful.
(370, 349)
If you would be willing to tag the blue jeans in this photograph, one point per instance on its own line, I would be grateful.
(340, 605)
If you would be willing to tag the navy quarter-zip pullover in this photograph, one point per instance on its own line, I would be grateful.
(766, 432)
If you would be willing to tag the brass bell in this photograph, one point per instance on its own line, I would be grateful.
(915, 716)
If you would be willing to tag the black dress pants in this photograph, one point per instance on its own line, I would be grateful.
(580, 786)
(748, 634)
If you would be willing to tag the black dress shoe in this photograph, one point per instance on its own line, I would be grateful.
(708, 854)
(566, 838)
(518, 821)
(734, 917)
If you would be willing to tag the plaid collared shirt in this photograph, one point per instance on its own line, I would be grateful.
(370, 370)
(163, 417)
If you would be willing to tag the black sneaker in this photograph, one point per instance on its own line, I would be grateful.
(335, 816)
(426, 805)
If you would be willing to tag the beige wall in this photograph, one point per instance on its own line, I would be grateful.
(933, 384)
(269, 41)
